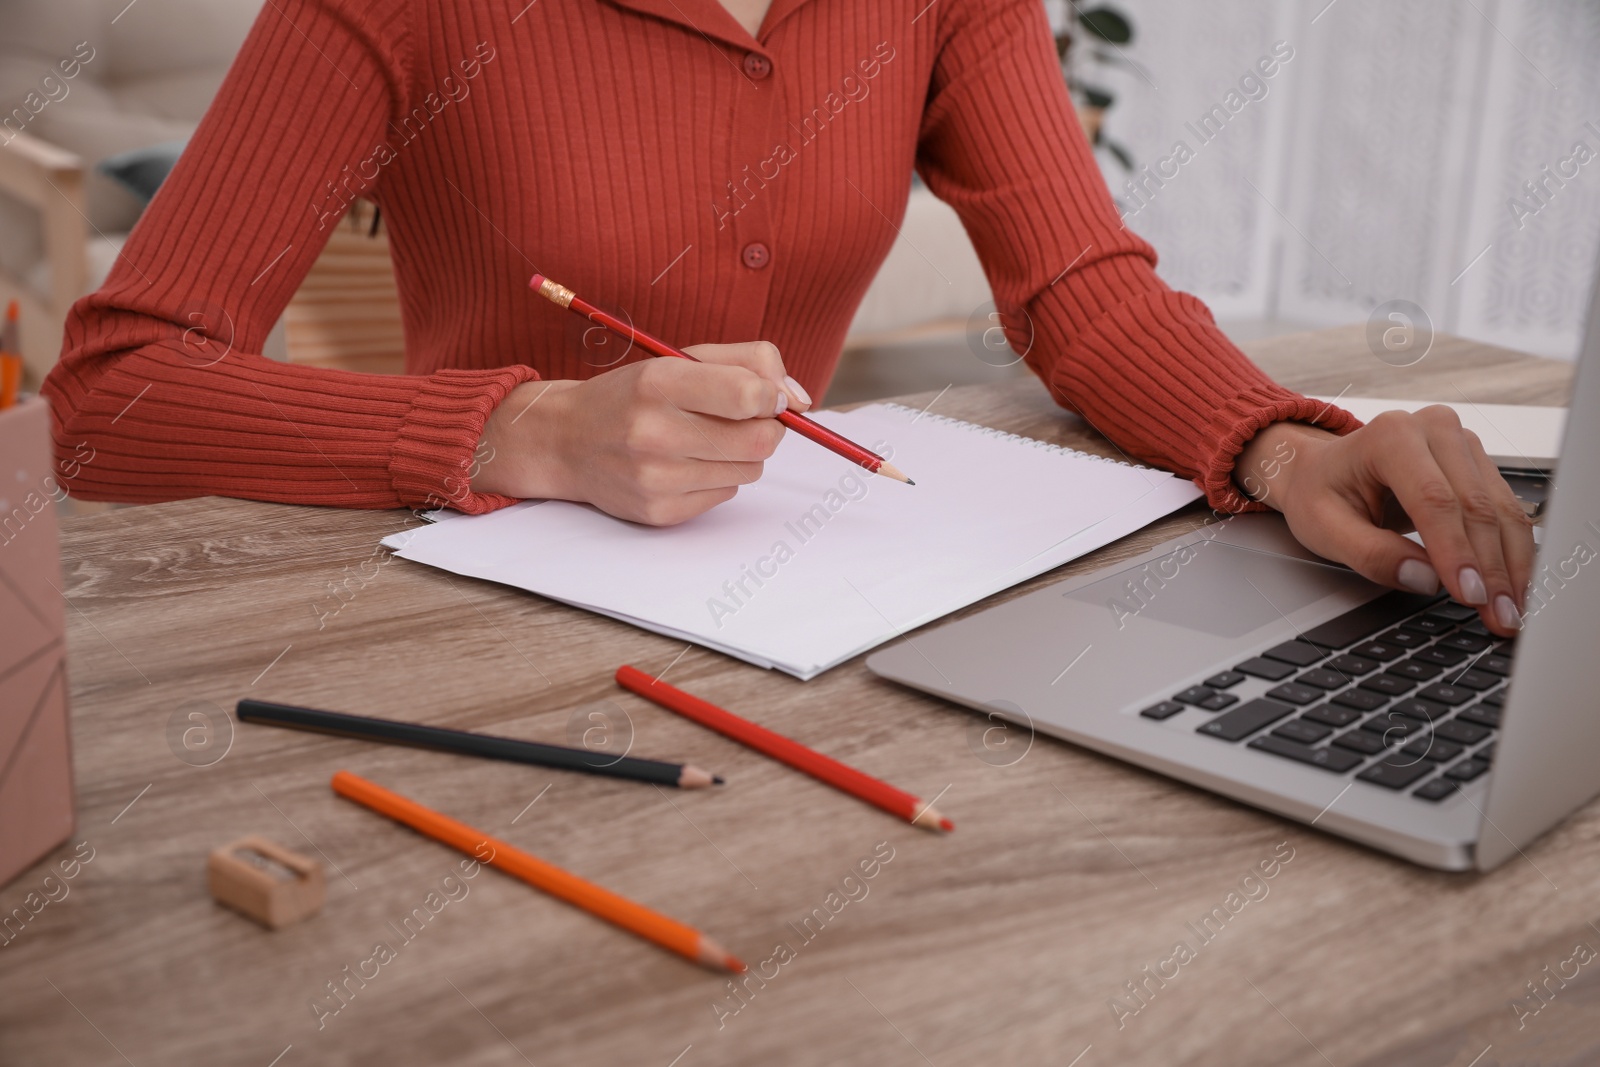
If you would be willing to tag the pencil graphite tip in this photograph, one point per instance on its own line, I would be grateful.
(714, 955)
(717, 779)
(691, 777)
(930, 819)
(889, 470)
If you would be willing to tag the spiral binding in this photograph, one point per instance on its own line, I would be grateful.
(990, 431)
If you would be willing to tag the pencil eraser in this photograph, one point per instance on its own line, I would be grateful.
(266, 882)
(536, 281)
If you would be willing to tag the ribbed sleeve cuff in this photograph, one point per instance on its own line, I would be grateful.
(1241, 418)
(433, 460)
(1154, 374)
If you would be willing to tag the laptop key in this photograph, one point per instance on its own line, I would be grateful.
(1225, 680)
(1444, 657)
(1388, 684)
(1361, 699)
(1308, 733)
(1394, 727)
(1486, 754)
(1337, 760)
(1500, 665)
(1323, 679)
(1435, 790)
(1333, 715)
(1467, 770)
(1396, 775)
(1270, 669)
(1297, 652)
(1295, 693)
(1425, 625)
(1431, 748)
(1417, 672)
(1218, 701)
(1474, 680)
(1164, 710)
(1471, 644)
(1366, 620)
(1496, 699)
(1361, 741)
(1244, 720)
(1481, 715)
(1195, 694)
(1402, 639)
(1463, 732)
(1451, 611)
(1447, 694)
(1421, 709)
(1352, 665)
(1378, 650)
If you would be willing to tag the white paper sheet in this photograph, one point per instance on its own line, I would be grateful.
(820, 561)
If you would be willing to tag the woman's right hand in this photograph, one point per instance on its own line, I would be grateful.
(657, 442)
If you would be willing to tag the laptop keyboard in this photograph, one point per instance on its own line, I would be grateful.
(1403, 692)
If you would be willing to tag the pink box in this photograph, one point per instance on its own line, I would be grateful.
(36, 796)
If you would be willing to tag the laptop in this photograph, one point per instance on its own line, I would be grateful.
(1234, 659)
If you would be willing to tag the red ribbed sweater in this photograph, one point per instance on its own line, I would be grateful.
(649, 153)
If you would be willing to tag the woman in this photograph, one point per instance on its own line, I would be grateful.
(725, 173)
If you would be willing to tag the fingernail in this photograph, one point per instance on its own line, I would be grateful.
(799, 392)
(1472, 590)
(1418, 577)
(783, 403)
(1506, 612)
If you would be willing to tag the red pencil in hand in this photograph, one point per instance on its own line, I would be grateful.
(815, 431)
(823, 768)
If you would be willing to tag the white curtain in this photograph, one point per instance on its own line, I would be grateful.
(1384, 159)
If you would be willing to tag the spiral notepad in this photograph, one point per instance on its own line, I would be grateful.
(819, 561)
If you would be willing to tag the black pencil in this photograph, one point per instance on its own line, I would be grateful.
(487, 746)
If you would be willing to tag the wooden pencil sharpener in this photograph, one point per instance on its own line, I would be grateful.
(265, 881)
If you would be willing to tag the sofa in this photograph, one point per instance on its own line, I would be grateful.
(140, 74)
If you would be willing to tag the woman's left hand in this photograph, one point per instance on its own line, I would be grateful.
(1349, 498)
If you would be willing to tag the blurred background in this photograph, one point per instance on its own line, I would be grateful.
(1442, 154)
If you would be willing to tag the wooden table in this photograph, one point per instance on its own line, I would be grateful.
(1003, 943)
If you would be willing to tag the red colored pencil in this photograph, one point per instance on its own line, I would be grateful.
(823, 768)
(815, 431)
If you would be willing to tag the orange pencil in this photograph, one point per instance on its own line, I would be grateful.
(824, 769)
(635, 918)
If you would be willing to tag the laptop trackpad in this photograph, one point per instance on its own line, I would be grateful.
(1129, 638)
(1216, 589)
